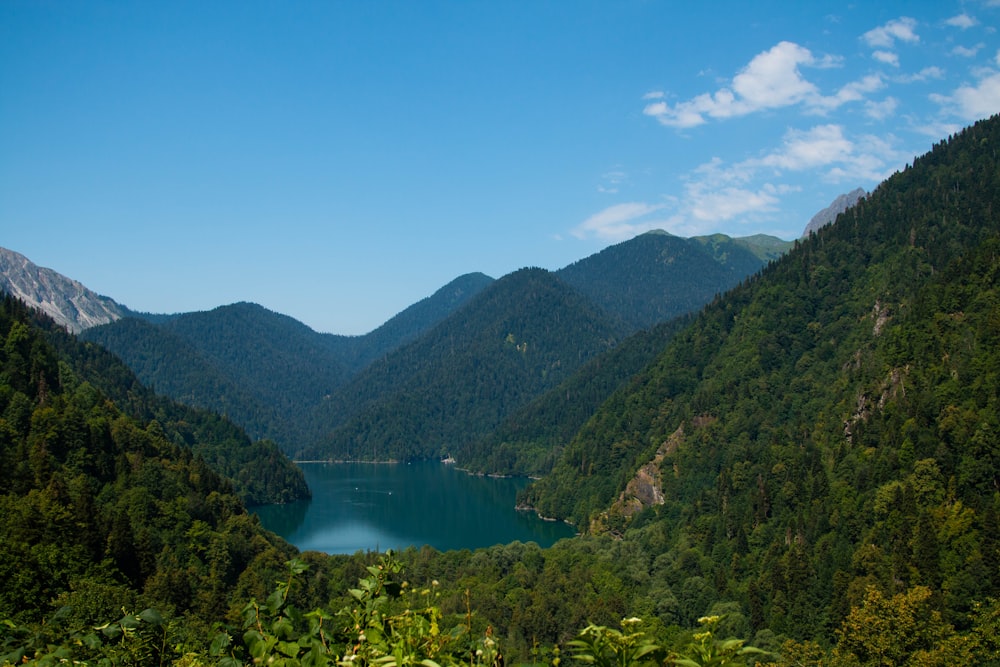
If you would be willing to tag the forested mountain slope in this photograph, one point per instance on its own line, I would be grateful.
(829, 426)
(411, 323)
(657, 276)
(522, 335)
(242, 360)
(98, 509)
(171, 365)
(258, 470)
(264, 370)
(530, 441)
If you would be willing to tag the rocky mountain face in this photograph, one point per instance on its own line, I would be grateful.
(65, 300)
(830, 213)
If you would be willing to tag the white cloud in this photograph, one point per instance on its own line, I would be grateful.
(979, 101)
(901, 29)
(620, 221)
(716, 206)
(852, 92)
(653, 95)
(611, 181)
(819, 146)
(967, 52)
(963, 21)
(926, 73)
(881, 110)
(887, 57)
(749, 191)
(770, 80)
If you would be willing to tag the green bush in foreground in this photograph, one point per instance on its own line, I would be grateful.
(387, 624)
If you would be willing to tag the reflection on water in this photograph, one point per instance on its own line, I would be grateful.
(364, 506)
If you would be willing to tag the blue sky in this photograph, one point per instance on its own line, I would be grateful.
(338, 161)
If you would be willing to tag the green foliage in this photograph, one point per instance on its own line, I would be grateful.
(827, 426)
(519, 337)
(607, 647)
(529, 441)
(265, 371)
(258, 470)
(657, 277)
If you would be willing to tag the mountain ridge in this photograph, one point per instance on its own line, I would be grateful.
(271, 372)
(65, 300)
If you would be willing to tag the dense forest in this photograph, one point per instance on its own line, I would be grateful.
(521, 336)
(623, 279)
(265, 371)
(807, 473)
(313, 393)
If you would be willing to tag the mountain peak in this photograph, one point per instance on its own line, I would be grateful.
(63, 299)
(830, 213)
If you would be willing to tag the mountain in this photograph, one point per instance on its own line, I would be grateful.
(830, 213)
(65, 300)
(258, 471)
(412, 322)
(828, 428)
(174, 366)
(264, 370)
(100, 509)
(241, 360)
(272, 375)
(656, 276)
(523, 334)
(764, 246)
(530, 440)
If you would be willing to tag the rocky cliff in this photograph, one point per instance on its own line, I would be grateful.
(65, 300)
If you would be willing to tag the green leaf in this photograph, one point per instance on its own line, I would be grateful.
(151, 616)
(220, 643)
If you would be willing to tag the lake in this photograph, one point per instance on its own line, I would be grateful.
(378, 506)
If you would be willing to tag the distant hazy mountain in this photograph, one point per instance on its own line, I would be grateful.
(519, 337)
(65, 300)
(657, 276)
(830, 213)
(242, 361)
(358, 351)
(266, 371)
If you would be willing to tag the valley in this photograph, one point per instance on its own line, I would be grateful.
(802, 455)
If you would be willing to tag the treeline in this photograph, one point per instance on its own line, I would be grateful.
(529, 441)
(828, 427)
(98, 509)
(656, 276)
(524, 334)
(258, 470)
(265, 371)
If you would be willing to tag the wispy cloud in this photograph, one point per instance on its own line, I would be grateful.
(885, 36)
(771, 80)
(887, 57)
(881, 110)
(621, 221)
(972, 102)
(963, 21)
(751, 190)
(611, 181)
(967, 51)
(927, 73)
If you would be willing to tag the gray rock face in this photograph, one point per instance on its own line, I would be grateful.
(65, 300)
(830, 213)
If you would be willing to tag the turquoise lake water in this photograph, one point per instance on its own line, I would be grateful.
(366, 506)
